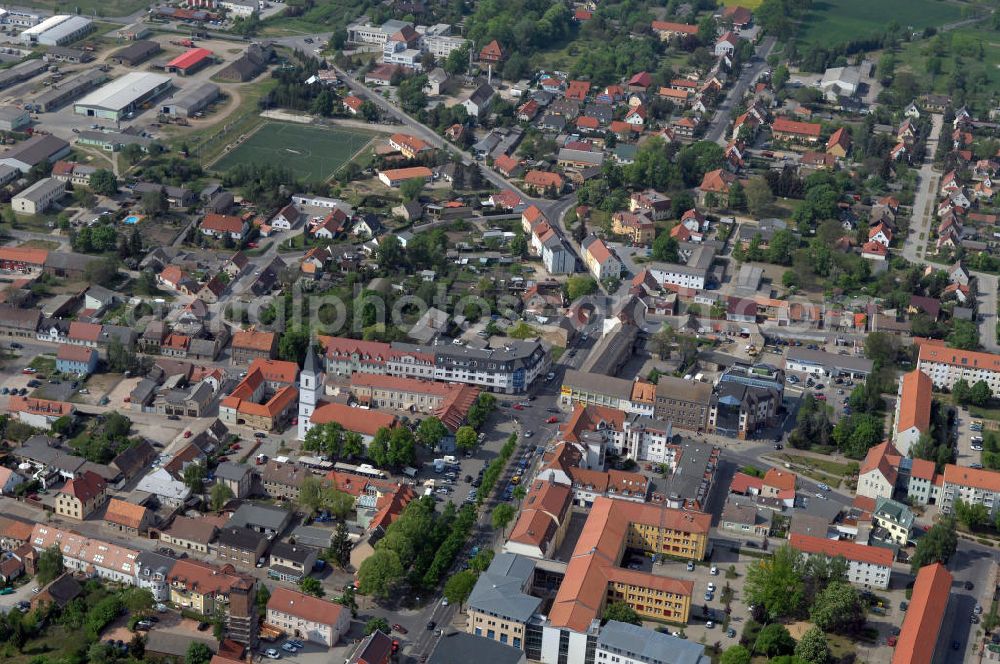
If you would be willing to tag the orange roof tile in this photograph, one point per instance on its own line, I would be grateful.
(26, 255)
(977, 478)
(915, 402)
(307, 607)
(39, 406)
(786, 126)
(410, 173)
(275, 371)
(850, 550)
(86, 487)
(74, 353)
(359, 420)
(922, 623)
(222, 223)
(254, 340)
(125, 514)
(954, 356)
(85, 331)
(667, 26)
(779, 479)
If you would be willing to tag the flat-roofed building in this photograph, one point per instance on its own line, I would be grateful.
(57, 30)
(685, 403)
(135, 53)
(191, 100)
(821, 363)
(13, 118)
(34, 151)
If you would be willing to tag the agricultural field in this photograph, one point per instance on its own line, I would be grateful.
(749, 4)
(311, 153)
(837, 21)
(89, 8)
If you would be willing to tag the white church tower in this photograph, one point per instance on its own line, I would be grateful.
(310, 384)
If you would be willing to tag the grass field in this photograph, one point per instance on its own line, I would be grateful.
(89, 8)
(749, 4)
(310, 152)
(836, 21)
(978, 50)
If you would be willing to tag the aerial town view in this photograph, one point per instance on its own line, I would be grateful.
(500, 331)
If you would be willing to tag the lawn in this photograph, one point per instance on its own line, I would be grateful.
(749, 4)
(45, 364)
(836, 21)
(89, 8)
(311, 153)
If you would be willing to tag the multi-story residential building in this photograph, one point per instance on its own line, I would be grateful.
(500, 607)
(240, 546)
(283, 480)
(544, 519)
(86, 556)
(207, 589)
(685, 403)
(449, 402)
(265, 519)
(508, 370)
(885, 470)
(893, 521)
(307, 617)
(639, 228)
(152, 572)
(652, 203)
(946, 366)
(867, 566)
(80, 496)
(265, 398)
(971, 486)
(600, 259)
(624, 643)
(190, 534)
(918, 637)
(248, 345)
(913, 410)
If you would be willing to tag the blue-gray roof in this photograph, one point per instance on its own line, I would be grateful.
(462, 648)
(499, 590)
(649, 646)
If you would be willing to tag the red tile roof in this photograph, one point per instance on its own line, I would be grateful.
(543, 179)
(222, 223)
(86, 487)
(667, 26)
(915, 402)
(922, 623)
(779, 479)
(306, 607)
(125, 514)
(85, 331)
(254, 340)
(978, 478)
(786, 126)
(360, 420)
(743, 483)
(863, 553)
(74, 353)
(26, 255)
(956, 357)
(190, 58)
(275, 371)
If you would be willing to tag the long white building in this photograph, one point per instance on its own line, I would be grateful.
(946, 366)
(867, 566)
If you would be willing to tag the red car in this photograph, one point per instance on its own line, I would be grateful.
(518, 406)
(820, 397)
(29, 371)
(399, 628)
(552, 420)
(395, 645)
(235, 446)
(187, 434)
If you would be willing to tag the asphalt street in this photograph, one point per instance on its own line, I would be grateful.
(720, 123)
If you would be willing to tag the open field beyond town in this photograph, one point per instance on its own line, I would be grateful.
(90, 8)
(835, 21)
(311, 153)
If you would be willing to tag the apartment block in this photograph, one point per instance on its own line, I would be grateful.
(868, 566)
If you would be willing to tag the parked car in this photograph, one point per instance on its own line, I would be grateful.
(271, 653)
(399, 628)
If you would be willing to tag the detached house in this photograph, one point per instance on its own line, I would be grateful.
(307, 617)
(80, 496)
(127, 518)
(717, 182)
(222, 225)
(784, 129)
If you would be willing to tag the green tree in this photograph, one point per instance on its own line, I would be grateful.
(776, 583)
(377, 625)
(665, 248)
(774, 640)
(838, 608)
(971, 515)
(138, 601)
(311, 494)
(348, 599)
(937, 545)
(220, 495)
(340, 546)
(502, 515)
(194, 476)
(964, 335)
(961, 392)
(813, 647)
(759, 196)
(102, 271)
(326, 438)
(430, 431)
(154, 203)
(579, 285)
(412, 188)
(263, 595)
(379, 573)
(197, 653)
(736, 655)
(132, 153)
(457, 61)
(465, 438)
(50, 564)
(621, 612)
(459, 586)
(104, 182)
(980, 394)
(311, 586)
(293, 345)
(737, 197)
